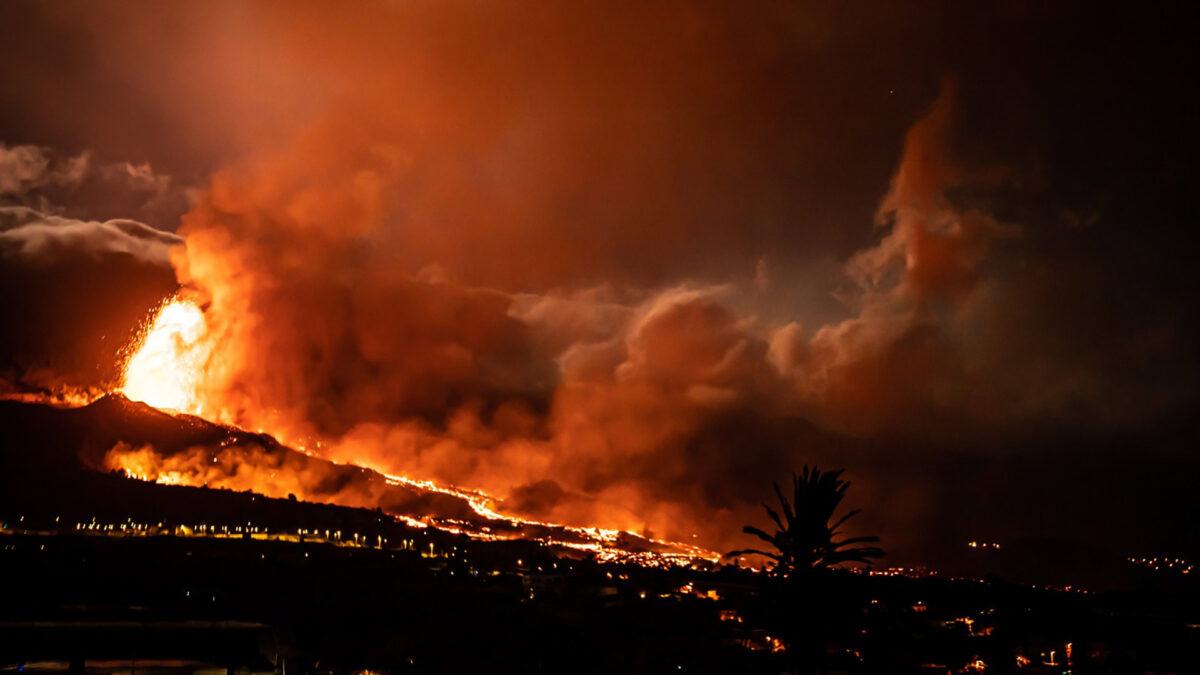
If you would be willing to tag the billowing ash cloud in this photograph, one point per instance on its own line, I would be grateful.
(900, 363)
(646, 408)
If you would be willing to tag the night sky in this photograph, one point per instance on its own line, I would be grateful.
(628, 263)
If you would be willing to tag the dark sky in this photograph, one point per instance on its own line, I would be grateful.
(658, 254)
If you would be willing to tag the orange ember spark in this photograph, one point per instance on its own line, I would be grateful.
(163, 368)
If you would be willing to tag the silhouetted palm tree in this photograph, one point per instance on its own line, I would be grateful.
(805, 539)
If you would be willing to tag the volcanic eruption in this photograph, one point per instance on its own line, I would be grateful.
(164, 368)
(606, 274)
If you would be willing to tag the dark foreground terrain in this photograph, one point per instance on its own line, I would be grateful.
(102, 600)
(105, 574)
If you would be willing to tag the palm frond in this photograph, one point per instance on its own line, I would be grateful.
(787, 508)
(775, 517)
(853, 540)
(843, 519)
(761, 534)
(805, 538)
(753, 551)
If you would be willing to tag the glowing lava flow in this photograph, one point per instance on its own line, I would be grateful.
(167, 357)
(163, 370)
(604, 542)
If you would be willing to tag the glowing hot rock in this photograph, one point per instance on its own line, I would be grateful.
(164, 368)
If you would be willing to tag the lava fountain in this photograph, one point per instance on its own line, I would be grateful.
(166, 360)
